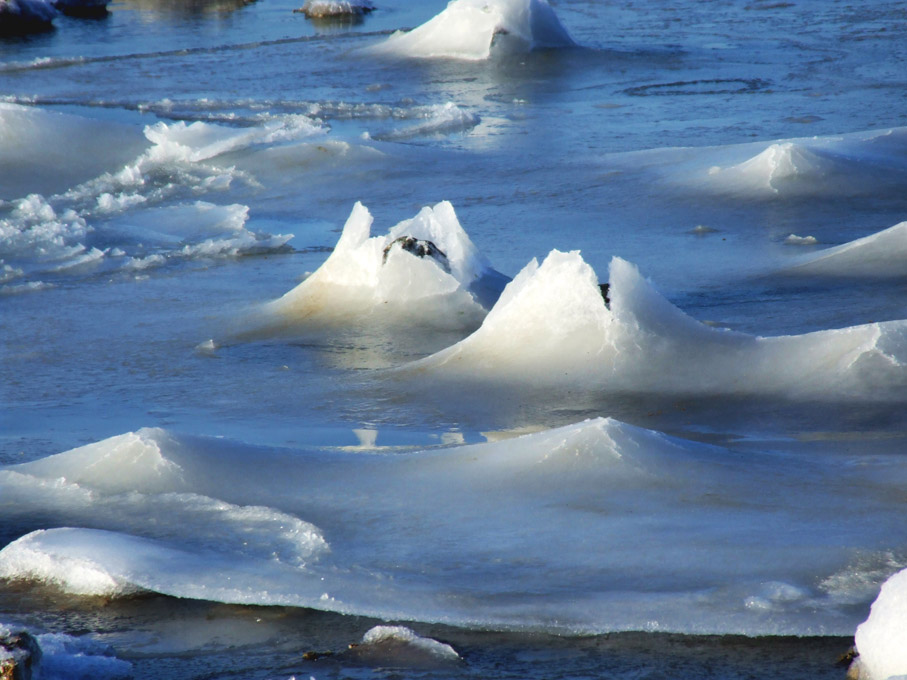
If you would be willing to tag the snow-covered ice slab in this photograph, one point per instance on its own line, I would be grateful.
(593, 527)
(467, 28)
(551, 326)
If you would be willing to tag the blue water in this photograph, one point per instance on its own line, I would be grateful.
(115, 274)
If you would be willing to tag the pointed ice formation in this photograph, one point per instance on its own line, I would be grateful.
(552, 327)
(423, 267)
(466, 29)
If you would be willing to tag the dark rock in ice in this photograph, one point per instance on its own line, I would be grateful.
(847, 657)
(419, 248)
(20, 656)
(851, 660)
(21, 17)
(82, 8)
(314, 656)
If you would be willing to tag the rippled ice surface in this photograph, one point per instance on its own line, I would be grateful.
(228, 378)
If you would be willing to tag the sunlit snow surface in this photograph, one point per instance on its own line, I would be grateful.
(467, 28)
(382, 276)
(508, 530)
(880, 640)
(551, 325)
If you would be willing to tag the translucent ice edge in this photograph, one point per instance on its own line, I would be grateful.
(594, 527)
(466, 29)
(551, 326)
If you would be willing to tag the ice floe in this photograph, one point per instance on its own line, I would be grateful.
(551, 326)
(466, 29)
(854, 164)
(424, 270)
(593, 527)
(147, 212)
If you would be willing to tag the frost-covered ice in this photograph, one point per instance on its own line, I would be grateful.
(382, 276)
(551, 326)
(467, 28)
(881, 640)
(35, 231)
(147, 212)
(614, 510)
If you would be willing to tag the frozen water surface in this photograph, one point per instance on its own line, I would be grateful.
(304, 340)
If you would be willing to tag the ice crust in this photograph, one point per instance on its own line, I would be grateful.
(552, 327)
(467, 28)
(592, 527)
(371, 276)
(881, 640)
